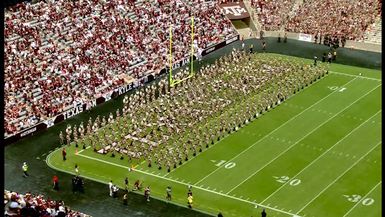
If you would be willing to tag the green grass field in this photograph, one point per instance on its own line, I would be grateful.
(316, 154)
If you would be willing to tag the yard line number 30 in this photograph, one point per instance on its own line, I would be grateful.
(356, 198)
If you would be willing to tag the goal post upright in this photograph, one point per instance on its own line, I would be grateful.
(172, 82)
(192, 47)
(170, 73)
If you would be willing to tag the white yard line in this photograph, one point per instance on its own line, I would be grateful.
(137, 192)
(359, 202)
(301, 140)
(356, 76)
(315, 160)
(273, 132)
(362, 157)
(83, 149)
(184, 163)
(183, 183)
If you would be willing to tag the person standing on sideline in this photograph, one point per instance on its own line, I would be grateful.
(279, 37)
(168, 191)
(147, 193)
(25, 169)
(315, 60)
(76, 169)
(126, 184)
(263, 213)
(55, 180)
(125, 199)
(74, 184)
(190, 201)
(251, 48)
(110, 185)
(285, 38)
(64, 154)
(334, 55)
(243, 46)
(264, 46)
(330, 57)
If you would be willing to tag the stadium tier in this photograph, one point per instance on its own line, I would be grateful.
(348, 18)
(188, 107)
(61, 54)
(35, 205)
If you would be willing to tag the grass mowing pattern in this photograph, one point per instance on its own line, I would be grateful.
(308, 156)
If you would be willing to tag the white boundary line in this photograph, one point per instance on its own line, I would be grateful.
(362, 157)
(273, 131)
(136, 192)
(315, 160)
(294, 144)
(362, 199)
(186, 184)
(356, 76)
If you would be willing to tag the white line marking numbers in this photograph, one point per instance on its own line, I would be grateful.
(334, 88)
(356, 198)
(284, 179)
(228, 165)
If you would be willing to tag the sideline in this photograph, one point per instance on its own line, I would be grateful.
(356, 76)
(136, 192)
(168, 179)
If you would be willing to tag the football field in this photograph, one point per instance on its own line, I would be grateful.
(316, 154)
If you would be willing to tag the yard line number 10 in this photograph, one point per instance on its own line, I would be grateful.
(334, 88)
(228, 165)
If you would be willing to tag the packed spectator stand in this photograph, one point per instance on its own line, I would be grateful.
(374, 32)
(335, 18)
(36, 205)
(59, 54)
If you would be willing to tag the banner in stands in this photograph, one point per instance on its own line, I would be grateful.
(234, 10)
(220, 45)
(106, 97)
(304, 37)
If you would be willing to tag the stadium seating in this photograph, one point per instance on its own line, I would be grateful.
(19, 205)
(335, 17)
(63, 53)
(272, 14)
(374, 33)
(349, 18)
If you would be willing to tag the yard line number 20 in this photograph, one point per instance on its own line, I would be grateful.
(284, 179)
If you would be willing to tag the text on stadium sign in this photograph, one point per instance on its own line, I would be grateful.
(234, 11)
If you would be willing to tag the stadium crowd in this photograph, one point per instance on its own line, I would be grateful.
(19, 205)
(63, 53)
(166, 126)
(272, 14)
(332, 18)
(335, 18)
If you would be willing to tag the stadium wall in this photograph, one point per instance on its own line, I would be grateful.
(349, 43)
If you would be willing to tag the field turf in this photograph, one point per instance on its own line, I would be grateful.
(316, 154)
